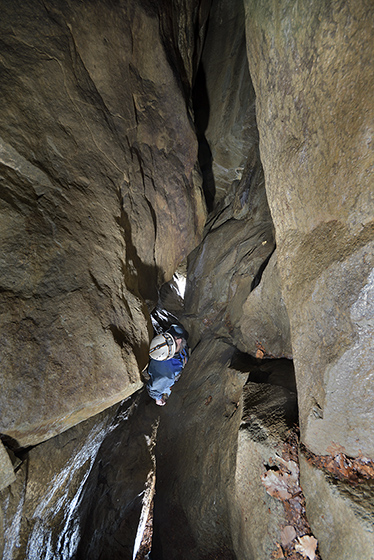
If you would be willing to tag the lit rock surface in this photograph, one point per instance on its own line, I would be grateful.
(340, 514)
(239, 236)
(87, 481)
(222, 270)
(7, 475)
(310, 65)
(100, 201)
(40, 508)
(264, 323)
(214, 439)
(268, 411)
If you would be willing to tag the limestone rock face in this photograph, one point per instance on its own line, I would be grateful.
(340, 514)
(264, 323)
(100, 201)
(311, 69)
(7, 475)
(214, 440)
(239, 235)
(79, 494)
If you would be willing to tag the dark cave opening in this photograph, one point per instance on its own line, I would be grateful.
(201, 108)
(274, 371)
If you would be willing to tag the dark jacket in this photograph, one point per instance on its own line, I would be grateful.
(163, 374)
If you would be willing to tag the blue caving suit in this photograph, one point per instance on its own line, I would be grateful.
(163, 373)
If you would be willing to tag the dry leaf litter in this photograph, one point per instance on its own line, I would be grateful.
(281, 481)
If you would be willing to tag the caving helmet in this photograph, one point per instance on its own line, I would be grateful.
(162, 347)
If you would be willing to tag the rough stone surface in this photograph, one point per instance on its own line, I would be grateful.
(7, 475)
(225, 106)
(221, 271)
(100, 201)
(313, 77)
(39, 508)
(110, 508)
(264, 322)
(239, 235)
(340, 515)
(208, 479)
(198, 431)
(257, 518)
(80, 494)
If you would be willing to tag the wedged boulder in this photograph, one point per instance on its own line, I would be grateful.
(100, 201)
(264, 324)
(313, 77)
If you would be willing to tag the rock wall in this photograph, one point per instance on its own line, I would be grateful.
(40, 508)
(313, 81)
(217, 433)
(340, 513)
(224, 99)
(79, 495)
(100, 201)
(239, 235)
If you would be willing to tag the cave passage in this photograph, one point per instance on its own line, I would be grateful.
(174, 483)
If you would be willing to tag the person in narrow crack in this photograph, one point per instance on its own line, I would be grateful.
(169, 354)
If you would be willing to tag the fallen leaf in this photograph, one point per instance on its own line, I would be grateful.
(260, 350)
(288, 534)
(283, 483)
(275, 485)
(366, 471)
(292, 466)
(307, 545)
(208, 400)
(296, 505)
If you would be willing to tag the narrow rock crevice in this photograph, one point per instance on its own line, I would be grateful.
(201, 109)
(157, 130)
(257, 279)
